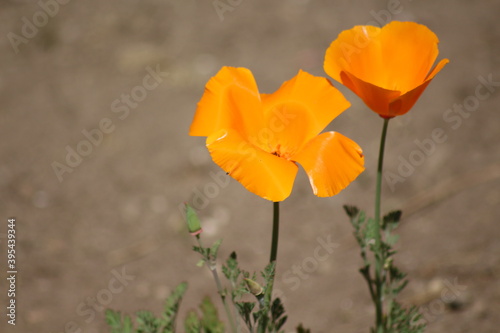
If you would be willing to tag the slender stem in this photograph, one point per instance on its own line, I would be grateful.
(368, 279)
(378, 189)
(276, 231)
(379, 257)
(211, 265)
(237, 314)
(266, 301)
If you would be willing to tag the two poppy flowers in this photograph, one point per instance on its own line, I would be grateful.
(258, 138)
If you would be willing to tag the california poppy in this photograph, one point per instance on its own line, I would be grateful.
(258, 138)
(387, 67)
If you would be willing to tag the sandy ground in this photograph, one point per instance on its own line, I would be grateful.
(108, 233)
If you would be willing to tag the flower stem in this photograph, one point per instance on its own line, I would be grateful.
(379, 257)
(265, 301)
(212, 266)
(276, 231)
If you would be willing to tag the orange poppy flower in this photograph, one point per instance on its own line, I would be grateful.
(389, 67)
(258, 138)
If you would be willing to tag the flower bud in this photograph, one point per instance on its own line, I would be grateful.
(193, 221)
(254, 287)
(388, 263)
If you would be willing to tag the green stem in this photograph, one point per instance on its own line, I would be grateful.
(266, 301)
(212, 266)
(379, 257)
(366, 274)
(276, 231)
(235, 309)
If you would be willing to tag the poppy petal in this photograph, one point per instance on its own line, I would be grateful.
(405, 102)
(355, 51)
(231, 100)
(437, 69)
(262, 173)
(409, 50)
(300, 109)
(396, 57)
(375, 97)
(332, 161)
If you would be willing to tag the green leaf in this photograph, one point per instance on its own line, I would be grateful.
(172, 307)
(277, 314)
(359, 226)
(351, 211)
(399, 288)
(391, 220)
(210, 321)
(371, 233)
(277, 309)
(391, 239)
(405, 320)
(279, 323)
(215, 249)
(396, 274)
(147, 322)
(192, 323)
(301, 329)
(245, 309)
(268, 275)
(231, 270)
(361, 218)
(113, 318)
(201, 250)
(117, 323)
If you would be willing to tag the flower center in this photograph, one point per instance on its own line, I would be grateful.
(277, 152)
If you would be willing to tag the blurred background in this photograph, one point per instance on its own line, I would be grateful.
(96, 100)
